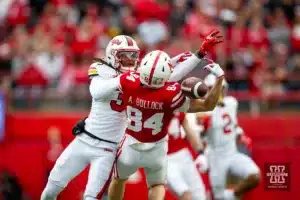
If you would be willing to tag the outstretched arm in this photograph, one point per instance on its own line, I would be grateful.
(185, 67)
(191, 136)
(212, 98)
(184, 63)
(101, 88)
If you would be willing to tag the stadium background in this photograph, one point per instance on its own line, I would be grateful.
(46, 47)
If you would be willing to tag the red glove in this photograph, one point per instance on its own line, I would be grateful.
(209, 42)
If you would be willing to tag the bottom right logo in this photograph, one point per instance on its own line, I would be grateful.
(277, 176)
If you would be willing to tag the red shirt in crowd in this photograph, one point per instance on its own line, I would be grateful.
(18, 13)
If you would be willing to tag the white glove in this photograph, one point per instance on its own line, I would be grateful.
(201, 163)
(215, 69)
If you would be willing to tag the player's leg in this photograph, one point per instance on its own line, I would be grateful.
(218, 168)
(100, 172)
(156, 170)
(194, 180)
(124, 167)
(176, 180)
(70, 163)
(116, 189)
(245, 169)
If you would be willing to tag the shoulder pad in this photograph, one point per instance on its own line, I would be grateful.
(98, 69)
(93, 70)
(231, 101)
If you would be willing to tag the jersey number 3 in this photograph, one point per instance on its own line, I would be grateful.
(136, 124)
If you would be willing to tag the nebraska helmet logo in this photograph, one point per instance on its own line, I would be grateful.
(116, 41)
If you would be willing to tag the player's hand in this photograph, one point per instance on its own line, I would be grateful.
(211, 40)
(201, 163)
(247, 141)
(215, 69)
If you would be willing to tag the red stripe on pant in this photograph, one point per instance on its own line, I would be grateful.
(105, 187)
(118, 155)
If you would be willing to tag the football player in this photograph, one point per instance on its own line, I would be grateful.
(183, 177)
(99, 135)
(221, 131)
(150, 102)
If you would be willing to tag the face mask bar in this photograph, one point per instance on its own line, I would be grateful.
(127, 59)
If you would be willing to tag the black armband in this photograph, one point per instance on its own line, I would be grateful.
(199, 54)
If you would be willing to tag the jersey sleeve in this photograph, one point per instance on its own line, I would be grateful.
(92, 72)
(180, 58)
(183, 68)
(101, 70)
(232, 102)
(178, 100)
(101, 88)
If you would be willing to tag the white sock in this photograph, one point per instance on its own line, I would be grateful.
(51, 191)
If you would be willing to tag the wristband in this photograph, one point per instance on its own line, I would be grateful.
(199, 54)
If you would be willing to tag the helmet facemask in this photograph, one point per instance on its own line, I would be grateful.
(126, 60)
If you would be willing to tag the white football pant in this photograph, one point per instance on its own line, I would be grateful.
(74, 160)
(154, 161)
(237, 164)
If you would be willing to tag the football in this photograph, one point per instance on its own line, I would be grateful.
(194, 87)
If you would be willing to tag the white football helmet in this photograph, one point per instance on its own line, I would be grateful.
(122, 53)
(155, 69)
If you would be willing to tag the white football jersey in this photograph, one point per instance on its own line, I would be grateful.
(106, 119)
(221, 132)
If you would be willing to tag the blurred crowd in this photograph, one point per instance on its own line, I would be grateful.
(46, 46)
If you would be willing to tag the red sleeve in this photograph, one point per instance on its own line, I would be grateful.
(181, 117)
(177, 98)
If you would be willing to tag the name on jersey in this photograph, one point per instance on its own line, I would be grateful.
(147, 104)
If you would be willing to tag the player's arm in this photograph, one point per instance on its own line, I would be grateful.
(212, 98)
(100, 88)
(191, 136)
(101, 85)
(185, 67)
(205, 120)
(186, 62)
(210, 101)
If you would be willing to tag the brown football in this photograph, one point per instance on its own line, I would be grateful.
(194, 88)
